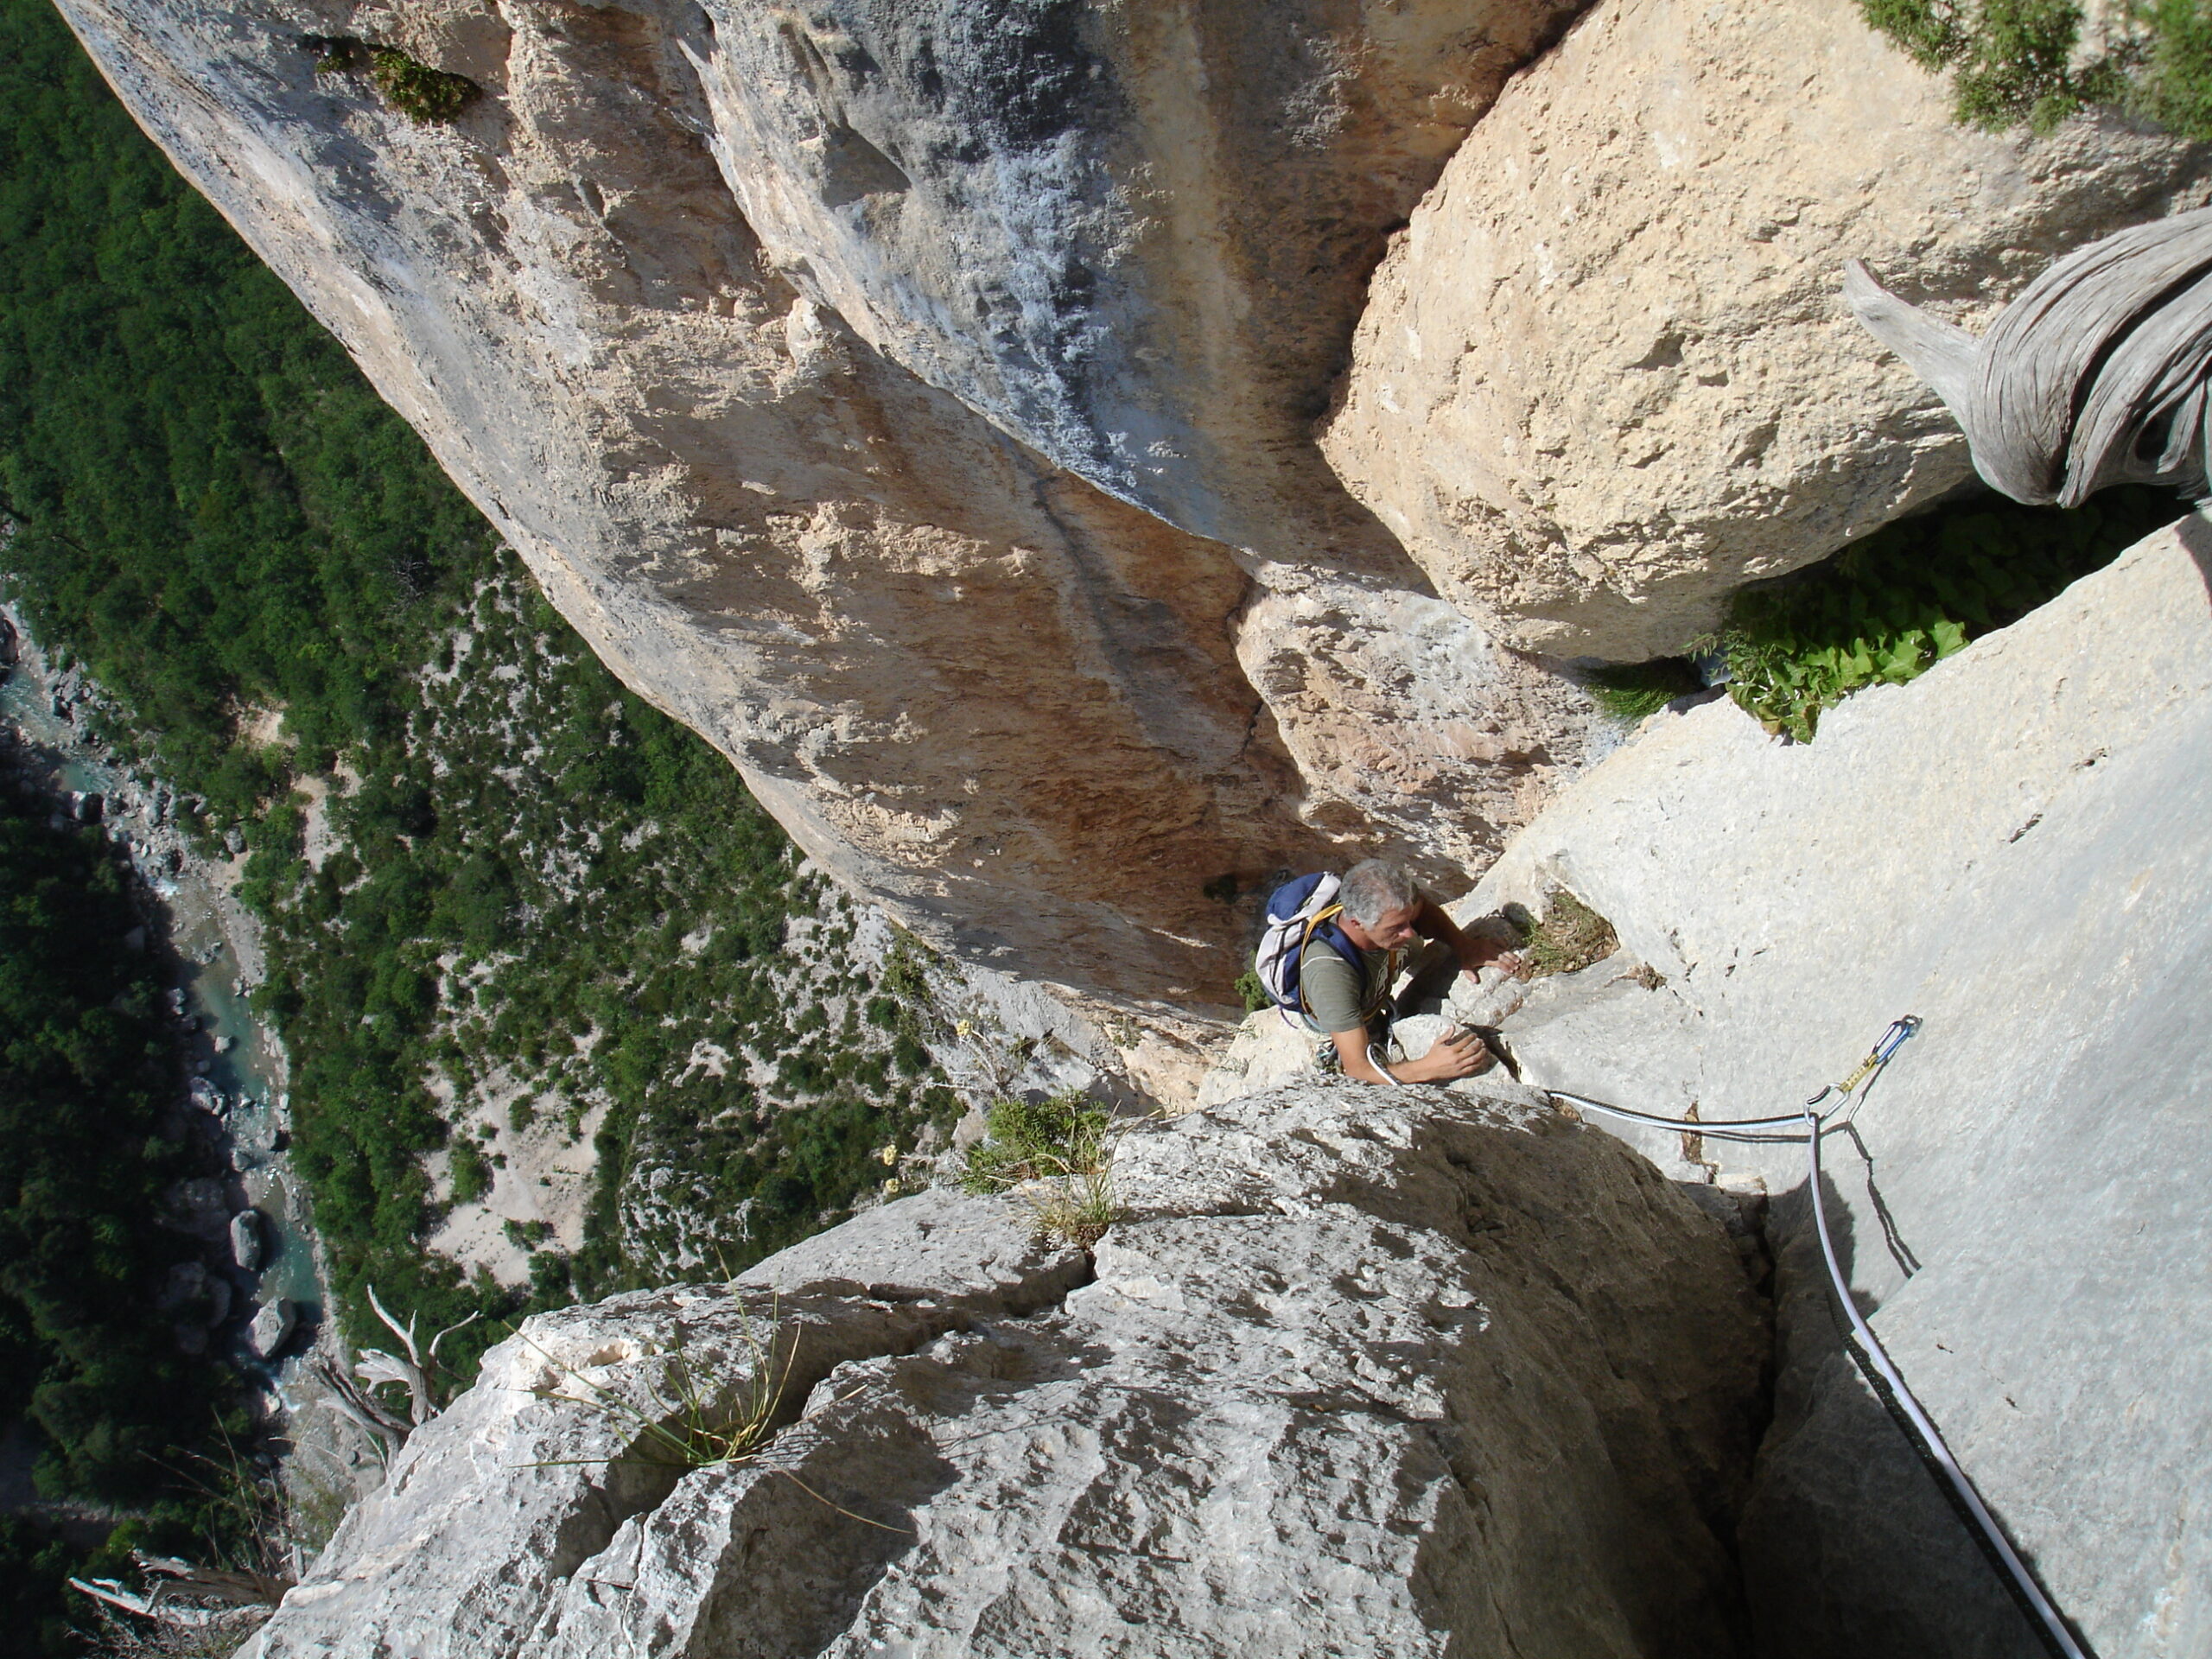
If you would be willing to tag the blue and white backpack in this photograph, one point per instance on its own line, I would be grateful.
(1298, 911)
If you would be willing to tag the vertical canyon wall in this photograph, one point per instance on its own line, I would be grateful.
(814, 362)
(919, 401)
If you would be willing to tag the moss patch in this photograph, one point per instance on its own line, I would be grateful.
(1633, 690)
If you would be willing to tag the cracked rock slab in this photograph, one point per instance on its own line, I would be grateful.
(2013, 848)
(1433, 1374)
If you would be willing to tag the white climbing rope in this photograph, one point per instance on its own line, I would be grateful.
(1808, 1125)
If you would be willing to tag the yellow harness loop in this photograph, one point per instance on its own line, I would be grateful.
(1376, 999)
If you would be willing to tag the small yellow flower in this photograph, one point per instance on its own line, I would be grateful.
(887, 1155)
(964, 1028)
(891, 1187)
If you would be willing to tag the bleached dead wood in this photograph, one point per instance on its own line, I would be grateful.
(2095, 375)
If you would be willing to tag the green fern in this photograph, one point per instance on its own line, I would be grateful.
(1888, 608)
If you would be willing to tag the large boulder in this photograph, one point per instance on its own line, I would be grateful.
(1606, 374)
(2016, 848)
(271, 1327)
(1429, 1374)
(246, 1240)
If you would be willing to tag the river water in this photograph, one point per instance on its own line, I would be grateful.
(211, 954)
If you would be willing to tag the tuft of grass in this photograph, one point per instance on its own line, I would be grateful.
(1888, 608)
(691, 1419)
(1058, 1154)
(1570, 938)
(1633, 690)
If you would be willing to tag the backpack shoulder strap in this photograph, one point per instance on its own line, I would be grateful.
(1323, 922)
(1336, 939)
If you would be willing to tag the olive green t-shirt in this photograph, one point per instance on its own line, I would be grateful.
(1334, 994)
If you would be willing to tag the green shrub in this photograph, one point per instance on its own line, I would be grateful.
(1254, 994)
(2176, 81)
(1030, 1140)
(472, 1172)
(417, 90)
(1888, 608)
(2021, 60)
(1060, 1154)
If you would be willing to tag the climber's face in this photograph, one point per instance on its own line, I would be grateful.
(1393, 929)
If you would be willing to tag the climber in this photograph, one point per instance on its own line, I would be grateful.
(1377, 912)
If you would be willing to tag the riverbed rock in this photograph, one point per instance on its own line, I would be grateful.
(2016, 848)
(246, 1240)
(1606, 373)
(271, 1327)
(203, 1297)
(1443, 1377)
(196, 1205)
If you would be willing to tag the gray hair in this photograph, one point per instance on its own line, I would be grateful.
(1373, 889)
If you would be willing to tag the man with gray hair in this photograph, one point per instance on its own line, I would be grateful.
(1381, 914)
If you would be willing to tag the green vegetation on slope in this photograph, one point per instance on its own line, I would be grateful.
(1890, 606)
(540, 884)
(544, 889)
(211, 508)
(85, 1071)
(2029, 60)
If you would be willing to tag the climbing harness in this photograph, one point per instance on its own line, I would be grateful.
(1809, 1124)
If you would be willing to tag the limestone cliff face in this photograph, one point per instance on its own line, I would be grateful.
(812, 363)
(1453, 1376)
(1607, 375)
(1135, 236)
(916, 398)
(2013, 848)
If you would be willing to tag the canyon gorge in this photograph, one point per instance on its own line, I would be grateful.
(1077, 461)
